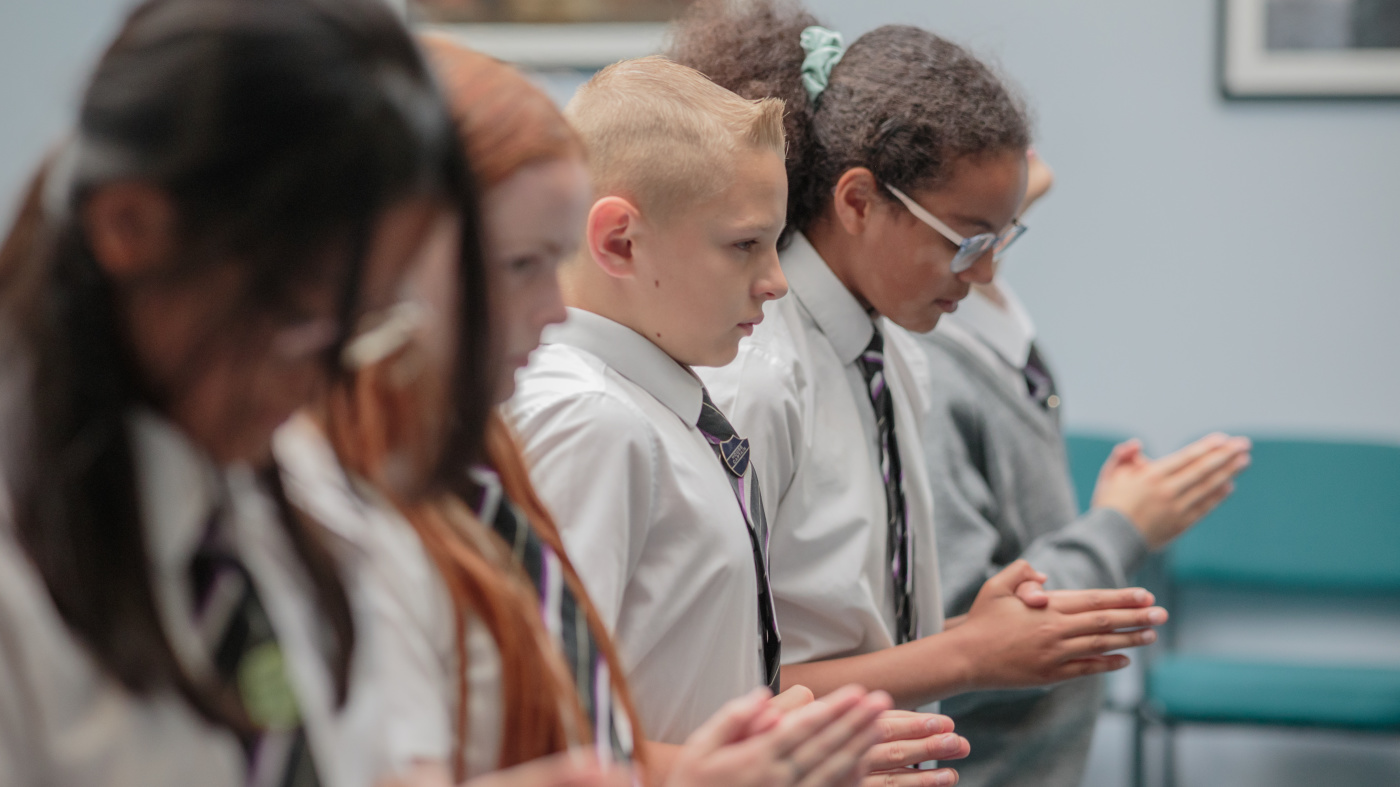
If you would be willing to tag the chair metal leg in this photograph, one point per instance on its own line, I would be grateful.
(1168, 755)
(1139, 759)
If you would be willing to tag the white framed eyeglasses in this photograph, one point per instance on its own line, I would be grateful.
(970, 250)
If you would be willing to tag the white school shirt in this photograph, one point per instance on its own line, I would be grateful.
(1000, 337)
(65, 721)
(647, 514)
(407, 623)
(796, 393)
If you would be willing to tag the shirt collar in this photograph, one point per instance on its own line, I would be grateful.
(180, 489)
(837, 313)
(1008, 331)
(635, 357)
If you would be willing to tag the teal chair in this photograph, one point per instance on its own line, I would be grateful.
(1087, 453)
(1309, 517)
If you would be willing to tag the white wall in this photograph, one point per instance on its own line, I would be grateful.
(1200, 263)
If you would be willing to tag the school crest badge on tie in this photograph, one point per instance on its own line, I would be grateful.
(735, 451)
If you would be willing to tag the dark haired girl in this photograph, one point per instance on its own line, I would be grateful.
(247, 183)
(906, 166)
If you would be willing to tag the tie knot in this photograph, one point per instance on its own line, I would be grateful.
(874, 353)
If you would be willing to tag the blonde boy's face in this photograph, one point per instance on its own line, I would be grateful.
(705, 272)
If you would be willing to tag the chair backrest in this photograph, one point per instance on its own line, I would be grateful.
(1087, 453)
(1308, 515)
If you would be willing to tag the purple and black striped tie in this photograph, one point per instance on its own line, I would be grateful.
(900, 544)
(733, 453)
(249, 662)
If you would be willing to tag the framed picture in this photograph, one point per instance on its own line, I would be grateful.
(552, 34)
(1310, 48)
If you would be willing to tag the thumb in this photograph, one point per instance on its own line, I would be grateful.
(1032, 594)
(1006, 581)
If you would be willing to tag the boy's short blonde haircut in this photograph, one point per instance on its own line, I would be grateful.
(662, 135)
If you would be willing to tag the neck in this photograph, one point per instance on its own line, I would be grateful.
(837, 248)
(586, 287)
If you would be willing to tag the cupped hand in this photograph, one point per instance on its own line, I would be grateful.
(820, 744)
(1007, 644)
(907, 739)
(1165, 497)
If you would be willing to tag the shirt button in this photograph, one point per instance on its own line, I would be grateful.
(1052, 402)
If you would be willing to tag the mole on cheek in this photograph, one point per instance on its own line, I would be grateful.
(658, 335)
(658, 284)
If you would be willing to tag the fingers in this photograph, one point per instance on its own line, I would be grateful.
(1093, 665)
(1173, 462)
(1004, 583)
(1218, 474)
(834, 755)
(1208, 503)
(793, 698)
(908, 777)
(1214, 467)
(800, 726)
(895, 725)
(901, 753)
(1032, 594)
(1122, 454)
(1071, 602)
(1100, 644)
(1111, 620)
(730, 723)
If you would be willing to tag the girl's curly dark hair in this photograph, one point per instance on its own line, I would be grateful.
(903, 102)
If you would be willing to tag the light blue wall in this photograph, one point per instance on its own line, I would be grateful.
(1200, 263)
(46, 49)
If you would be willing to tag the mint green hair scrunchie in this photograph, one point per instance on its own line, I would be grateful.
(824, 49)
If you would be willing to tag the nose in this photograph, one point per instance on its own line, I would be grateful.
(982, 271)
(772, 285)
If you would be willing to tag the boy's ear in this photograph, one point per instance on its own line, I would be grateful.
(130, 226)
(611, 235)
(854, 198)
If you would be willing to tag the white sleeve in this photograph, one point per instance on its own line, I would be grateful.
(16, 713)
(593, 461)
(763, 403)
(412, 646)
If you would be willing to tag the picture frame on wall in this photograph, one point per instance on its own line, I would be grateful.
(1310, 48)
(551, 34)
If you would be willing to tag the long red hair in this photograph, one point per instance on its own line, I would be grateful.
(373, 420)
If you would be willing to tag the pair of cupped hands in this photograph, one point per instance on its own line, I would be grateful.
(855, 738)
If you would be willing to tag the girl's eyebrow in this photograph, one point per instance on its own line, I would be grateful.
(974, 221)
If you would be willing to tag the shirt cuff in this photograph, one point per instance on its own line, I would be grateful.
(1117, 536)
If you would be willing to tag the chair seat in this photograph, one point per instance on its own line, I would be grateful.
(1184, 687)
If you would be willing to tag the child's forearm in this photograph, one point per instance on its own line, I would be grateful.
(914, 674)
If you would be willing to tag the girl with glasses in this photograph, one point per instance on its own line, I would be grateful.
(906, 166)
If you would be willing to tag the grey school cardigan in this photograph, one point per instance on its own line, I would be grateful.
(1002, 491)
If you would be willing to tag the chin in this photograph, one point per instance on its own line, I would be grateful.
(918, 323)
(719, 356)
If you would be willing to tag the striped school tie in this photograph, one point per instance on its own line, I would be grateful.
(567, 624)
(900, 543)
(733, 453)
(232, 620)
(1040, 383)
